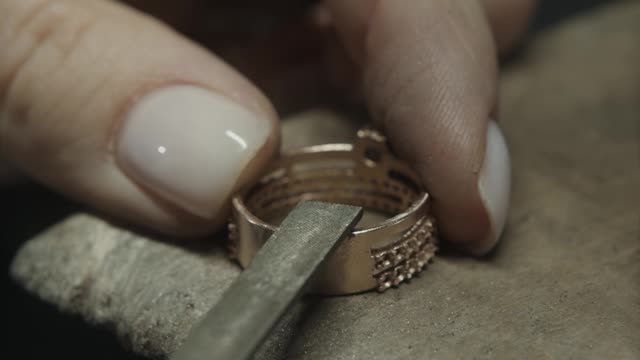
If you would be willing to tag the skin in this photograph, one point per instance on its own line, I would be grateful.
(59, 106)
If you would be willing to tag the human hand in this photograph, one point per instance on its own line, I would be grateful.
(115, 109)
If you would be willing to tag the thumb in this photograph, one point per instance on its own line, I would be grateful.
(118, 111)
(429, 72)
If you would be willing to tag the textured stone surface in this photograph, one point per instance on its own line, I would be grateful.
(564, 283)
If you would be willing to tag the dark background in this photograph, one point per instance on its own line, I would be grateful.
(38, 330)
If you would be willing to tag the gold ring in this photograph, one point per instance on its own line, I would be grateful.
(396, 238)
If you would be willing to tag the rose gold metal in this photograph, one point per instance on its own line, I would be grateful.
(364, 174)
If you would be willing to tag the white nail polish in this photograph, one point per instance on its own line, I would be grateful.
(495, 182)
(189, 145)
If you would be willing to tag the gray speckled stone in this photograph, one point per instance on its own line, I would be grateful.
(563, 284)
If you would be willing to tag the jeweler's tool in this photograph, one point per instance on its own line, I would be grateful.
(236, 326)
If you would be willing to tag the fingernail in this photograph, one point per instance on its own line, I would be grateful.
(189, 145)
(495, 183)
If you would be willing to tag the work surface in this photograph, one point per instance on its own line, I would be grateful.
(564, 283)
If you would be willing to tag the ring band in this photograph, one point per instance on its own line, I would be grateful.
(364, 174)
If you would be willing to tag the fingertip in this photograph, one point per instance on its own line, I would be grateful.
(494, 186)
(474, 222)
(190, 145)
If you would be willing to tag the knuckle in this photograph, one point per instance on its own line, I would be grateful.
(45, 30)
(39, 44)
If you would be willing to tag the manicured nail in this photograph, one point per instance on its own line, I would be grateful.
(495, 184)
(189, 145)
